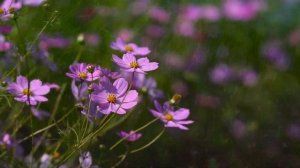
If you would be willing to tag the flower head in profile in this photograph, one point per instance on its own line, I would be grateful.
(130, 64)
(115, 97)
(131, 48)
(6, 141)
(170, 116)
(30, 93)
(84, 72)
(130, 136)
(33, 2)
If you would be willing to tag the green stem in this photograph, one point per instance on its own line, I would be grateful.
(148, 144)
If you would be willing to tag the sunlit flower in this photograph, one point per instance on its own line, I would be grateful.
(8, 7)
(129, 48)
(130, 136)
(115, 97)
(130, 64)
(30, 94)
(170, 116)
(80, 71)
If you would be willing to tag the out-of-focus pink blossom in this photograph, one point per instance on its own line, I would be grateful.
(139, 7)
(274, 52)
(4, 45)
(155, 31)
(159, 14)
(126, 35)
(221, 74)
(248, 77)
(293, 131)
(240, 10)
(208, 101)
(238, 129)
(48, 42)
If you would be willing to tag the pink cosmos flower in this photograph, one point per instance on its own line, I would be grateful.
(48, 42)
(4, 45)
(159, 14)
(7, 6)
(33, 2)
(35, 92)
(172, 118)
(115, 97)
(6, 140)
(130, 64)
(84, 72)
(129, 48)
(242, 11)
(130, 136)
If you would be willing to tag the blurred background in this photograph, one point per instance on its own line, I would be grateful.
(235, 63)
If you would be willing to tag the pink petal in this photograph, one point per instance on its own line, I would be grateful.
(181, 114)
(120, 62)
(121, 85)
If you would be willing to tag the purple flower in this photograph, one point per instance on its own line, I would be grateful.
(159, 14)
(248, 77)
(84, 72)
(129, 48)
(4, 45)
(147, 85)
(274, 52)
(130, 64)
(115, 97)
(130, 136)
(35, 92)
(6, 141)
(48, 42)
(40, 114)
(240, 10)
(221, 73)
(7, 7)
(33, 2)
(238, 129)
(172, 118)
(85, 160)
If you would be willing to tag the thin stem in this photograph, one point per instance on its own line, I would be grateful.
(150, 143)
(46, 128)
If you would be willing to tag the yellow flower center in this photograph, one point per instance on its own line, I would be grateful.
(27, 92)
(111, 98)
(168, 117)
(2, 11)
(82, 75)
(128, 48)
(134, 65)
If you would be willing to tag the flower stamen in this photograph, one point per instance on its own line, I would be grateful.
(111, 98)
(134, 65)
(27, 92)
(82, 75)
(168, 117)
(128, 48)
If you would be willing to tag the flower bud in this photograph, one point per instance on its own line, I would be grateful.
(175, 99)
(90, 68)
(3, 83)
(80, 39)
(90, 89)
